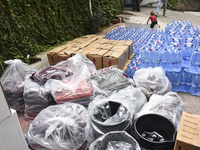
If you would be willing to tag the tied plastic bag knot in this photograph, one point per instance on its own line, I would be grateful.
(59, 123)
(152, 81)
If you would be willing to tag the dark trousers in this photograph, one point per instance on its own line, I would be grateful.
(136, 5)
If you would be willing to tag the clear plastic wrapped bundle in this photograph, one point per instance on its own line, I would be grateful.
(76, 87)
(80, 91)
(12, 82)
(116, 140)
(114, 113)
(152, 81)
(57, 72)
(169, 105)
(109, 80)
(59, 127)
(80, 66)
(36, 98)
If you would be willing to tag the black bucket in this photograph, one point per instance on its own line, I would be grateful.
(115, 140)
(154, 132)
(105, 111)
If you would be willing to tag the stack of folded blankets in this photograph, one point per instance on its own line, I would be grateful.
(36, 95)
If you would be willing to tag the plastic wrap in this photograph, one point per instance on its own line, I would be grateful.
(76, 87)
(169, 105)
(36, 98)
(80, 91)
(116, 140)
(80, 66)
(12, 82)
(51, 72)
(109, 80)
(59, 127)
(152, 81)
(114, 113)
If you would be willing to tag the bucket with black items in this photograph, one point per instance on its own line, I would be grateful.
(109, 116)
(154, 132)
(116, 140)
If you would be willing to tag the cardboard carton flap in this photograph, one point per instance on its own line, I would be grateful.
(85, 52)
(99, 52)
(68, 51)
(121, 42)
(113, 42)
(114, 54)
(94, 52)
(120, 48)
(102, 52)
(94, 45)
(106, 46)
(58, 49)
(130, 42)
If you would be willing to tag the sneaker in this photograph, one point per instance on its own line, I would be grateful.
(164, 15)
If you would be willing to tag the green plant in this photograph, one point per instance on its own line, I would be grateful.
(171, 4)
(28, 27)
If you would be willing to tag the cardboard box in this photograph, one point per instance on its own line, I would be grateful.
(113, 58)
(64, 55)
(12, 137)
(127, 43)
(4, 110)
(130, 44)
(103, 41)
(94, 45)
(86, 42)
(86, 51)
(120, 42)
(79, 40)
(123, 48)
(113, 42)
(77, 52)
(52, 54)
(96, 57)
(107, 46)
(188, 137)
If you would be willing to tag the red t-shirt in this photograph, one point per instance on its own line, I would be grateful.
(153, 18)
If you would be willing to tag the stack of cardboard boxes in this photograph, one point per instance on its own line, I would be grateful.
(102, 52)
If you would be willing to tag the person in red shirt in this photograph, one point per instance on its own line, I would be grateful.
(153, 20)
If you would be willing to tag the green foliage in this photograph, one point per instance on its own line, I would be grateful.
(171, 4)
(32, 26)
